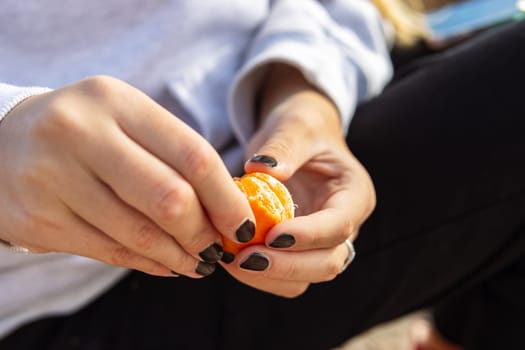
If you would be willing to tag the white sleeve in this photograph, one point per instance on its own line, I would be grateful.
(338, 45)
(11, 95)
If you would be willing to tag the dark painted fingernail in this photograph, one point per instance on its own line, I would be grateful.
(284, 240)
(204, 268)
(266, 160)
(255, 262)
(246, 231)
(227, 257)
(212, 254)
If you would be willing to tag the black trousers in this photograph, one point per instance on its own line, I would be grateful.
(445, 146)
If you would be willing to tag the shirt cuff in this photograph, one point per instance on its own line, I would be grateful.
(11, 96)
(320, 70)
(338, 46)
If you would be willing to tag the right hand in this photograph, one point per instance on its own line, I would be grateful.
(98, 169)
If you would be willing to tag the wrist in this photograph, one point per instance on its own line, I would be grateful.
(282, 82)
(286, 92)
(12, 96)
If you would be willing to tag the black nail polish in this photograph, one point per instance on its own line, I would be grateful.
(246, 231)
(227, 257)
(266, 160)
(204, 268)
(255, 262)
(212, 254)
(284, 240)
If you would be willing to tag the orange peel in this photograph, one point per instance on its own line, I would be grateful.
(271, 203)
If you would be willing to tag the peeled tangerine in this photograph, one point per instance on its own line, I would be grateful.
(270, 201)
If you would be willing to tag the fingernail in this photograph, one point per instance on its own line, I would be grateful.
(266, 160)
(227, 257)
(204, 268)
(212, 254)
(284, 240)
(246, 231)
(255, 262)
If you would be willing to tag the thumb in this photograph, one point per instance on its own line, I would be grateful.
(279, 151)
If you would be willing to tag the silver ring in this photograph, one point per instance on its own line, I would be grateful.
(13, 248)
(351, 255)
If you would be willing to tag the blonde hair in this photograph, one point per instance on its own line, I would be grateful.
(406, 16)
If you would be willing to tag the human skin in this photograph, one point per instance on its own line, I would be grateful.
(98, 169)
(300, 128)
(92, 169)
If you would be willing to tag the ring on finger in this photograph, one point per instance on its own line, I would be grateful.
(351, 254)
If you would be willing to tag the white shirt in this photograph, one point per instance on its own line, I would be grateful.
(202, 60)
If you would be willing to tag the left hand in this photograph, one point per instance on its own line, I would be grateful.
(301, 131)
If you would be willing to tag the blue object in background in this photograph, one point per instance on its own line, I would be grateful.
(471, 15)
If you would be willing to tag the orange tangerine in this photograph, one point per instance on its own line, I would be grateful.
(271, 204)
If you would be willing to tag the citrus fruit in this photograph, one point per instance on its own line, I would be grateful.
(271, 204)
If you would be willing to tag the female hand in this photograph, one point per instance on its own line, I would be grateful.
(98, 169)
(301, 142)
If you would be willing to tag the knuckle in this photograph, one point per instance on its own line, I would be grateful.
(56, 119)
(102, 86)
(121, 256)
(147, 236)
(61, 122)
(315, 236)
(195, 243)
(172, 202)
(333, 268)
(349, 226)
(200, 159)
(289, 271)
(341, 235)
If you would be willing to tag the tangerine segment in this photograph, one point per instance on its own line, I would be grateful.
(271, 203)
(287, 207)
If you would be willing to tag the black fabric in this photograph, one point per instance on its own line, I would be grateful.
(448, 164)
(445, 146)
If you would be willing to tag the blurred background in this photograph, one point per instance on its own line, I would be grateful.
(450, 22)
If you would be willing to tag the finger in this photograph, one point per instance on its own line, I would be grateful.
(340, 219)
(318, 265)
(92, 243)
(97, 205)
(279, 151)
(287, 289)
(183, 149)
(147, 184)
